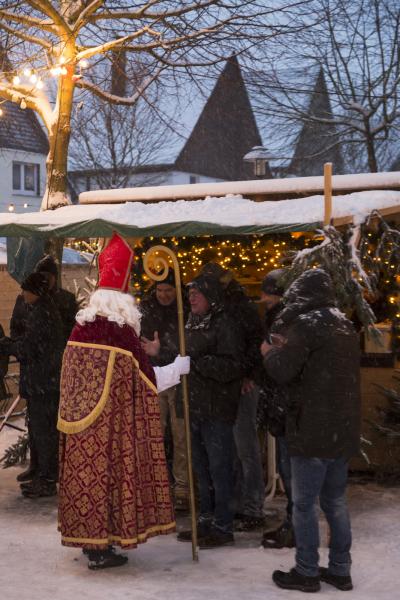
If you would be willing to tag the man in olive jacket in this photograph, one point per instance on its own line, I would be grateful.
(320, 364)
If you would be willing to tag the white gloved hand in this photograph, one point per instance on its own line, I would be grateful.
(183, 364)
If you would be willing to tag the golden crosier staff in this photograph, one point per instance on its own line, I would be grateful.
(160, 263)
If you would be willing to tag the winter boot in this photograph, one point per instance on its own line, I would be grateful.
(295, 581)
(203, 528)
(216, 538)
(105, 559)
(28, 474)
(249, 523)
(283, 537)
(341, 582)
(39, 488)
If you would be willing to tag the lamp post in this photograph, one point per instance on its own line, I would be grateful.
(259, 156)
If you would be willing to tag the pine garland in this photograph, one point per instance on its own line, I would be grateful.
(16, 453)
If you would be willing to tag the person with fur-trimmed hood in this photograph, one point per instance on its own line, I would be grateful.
(114, 487)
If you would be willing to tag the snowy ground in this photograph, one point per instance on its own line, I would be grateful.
(34, 566)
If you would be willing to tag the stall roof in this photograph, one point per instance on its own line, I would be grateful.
(210, 216)
(260, 189)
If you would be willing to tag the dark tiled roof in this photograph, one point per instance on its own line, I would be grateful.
(20, 130)
(310, 153)
(225, 131)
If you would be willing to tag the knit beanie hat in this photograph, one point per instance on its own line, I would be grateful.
(271, 284)
(47, 265)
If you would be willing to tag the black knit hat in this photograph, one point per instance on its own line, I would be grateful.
(47, 265)
(36, 283)
(169, 280)
(271, 284)
(210, 287)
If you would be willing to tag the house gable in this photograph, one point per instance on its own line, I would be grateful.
(225, 131)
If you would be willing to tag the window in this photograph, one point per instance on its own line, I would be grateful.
(192, 179)
(26, 178)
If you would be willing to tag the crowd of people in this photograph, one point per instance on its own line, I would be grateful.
(112, 373)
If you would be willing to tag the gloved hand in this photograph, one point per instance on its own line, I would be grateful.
(183, 364)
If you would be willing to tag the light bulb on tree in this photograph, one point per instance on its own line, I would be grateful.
(16, 80)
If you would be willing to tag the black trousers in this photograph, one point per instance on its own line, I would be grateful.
(42, 415)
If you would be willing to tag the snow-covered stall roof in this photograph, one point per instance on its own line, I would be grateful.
(211, 216)
(260, 189)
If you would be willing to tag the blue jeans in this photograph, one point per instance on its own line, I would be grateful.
(326, 479)
(212, 451)
(250, 486)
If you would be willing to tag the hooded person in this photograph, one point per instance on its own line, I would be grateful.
(114, 487)
(38, 347)
(214, 389)
(319, 364)
(64, 300)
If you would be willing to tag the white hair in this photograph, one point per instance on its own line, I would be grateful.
(116, 306)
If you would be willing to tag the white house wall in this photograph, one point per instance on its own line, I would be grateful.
(7, 195)
(145, 179)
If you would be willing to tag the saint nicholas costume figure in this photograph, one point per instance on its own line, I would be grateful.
(114, 488)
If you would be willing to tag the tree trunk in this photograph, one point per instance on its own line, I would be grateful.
(372, 162)
(56, 193)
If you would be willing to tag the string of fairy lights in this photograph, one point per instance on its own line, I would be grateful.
(34, 78)
(252, 257)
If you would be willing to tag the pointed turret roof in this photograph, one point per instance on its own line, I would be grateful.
(225, 131)
(317, 143)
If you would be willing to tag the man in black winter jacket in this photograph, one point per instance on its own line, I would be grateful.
(40, 348)
(319, 364)
(249, 484)
(160, 322)
(214, 391)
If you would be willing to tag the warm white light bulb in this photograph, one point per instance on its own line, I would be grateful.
(1, 111)
(27, 72)
(23, 104)
(83, 63)
(11, 208)
(16, 80)
(33, 78)
(39, 85)
(26, 205)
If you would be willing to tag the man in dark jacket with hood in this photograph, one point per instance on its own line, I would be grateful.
(40, 349)
(214, 389)
(320, 365)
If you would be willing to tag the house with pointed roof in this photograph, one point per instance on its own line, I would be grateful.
(23, 151)
(316, 144)
(224, 132)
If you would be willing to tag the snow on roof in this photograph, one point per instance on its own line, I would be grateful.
(233, 214)
(260, 187)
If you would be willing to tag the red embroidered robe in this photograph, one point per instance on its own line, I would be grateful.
(114, 485)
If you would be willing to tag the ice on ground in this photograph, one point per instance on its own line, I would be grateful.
(34, 566)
